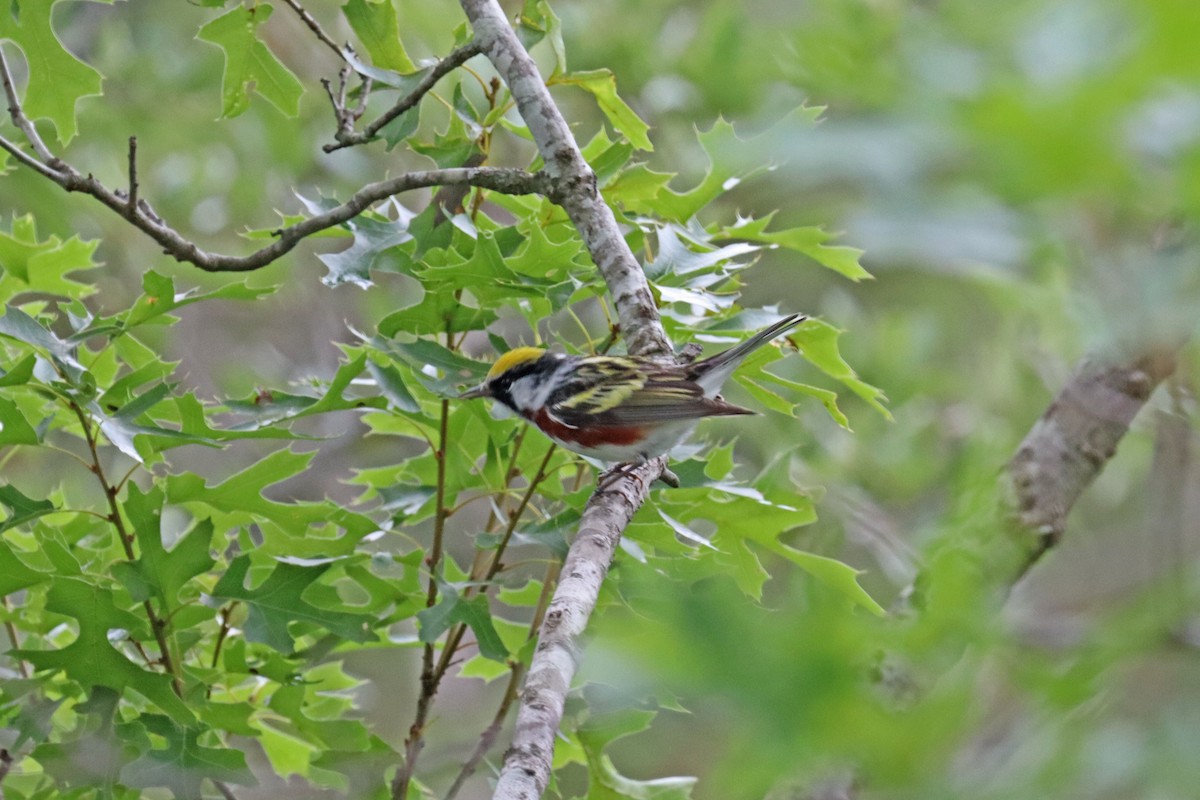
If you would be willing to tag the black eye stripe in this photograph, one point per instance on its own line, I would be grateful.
(505, 381)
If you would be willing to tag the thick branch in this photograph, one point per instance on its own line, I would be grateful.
(527, 762)
(1072, 441)
(573, 179)
(1060, 457)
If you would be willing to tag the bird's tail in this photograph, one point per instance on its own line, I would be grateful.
(712, 372)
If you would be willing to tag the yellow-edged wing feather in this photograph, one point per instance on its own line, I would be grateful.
(612, 391)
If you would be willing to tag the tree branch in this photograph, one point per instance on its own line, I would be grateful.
(1060, 457)
(347, 137)
(1072, 441)
(527, 762)
(174, 244)
(573, 179)
(316, 28)
(139, 213)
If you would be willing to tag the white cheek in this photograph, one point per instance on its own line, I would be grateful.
(501, 411)
(527, 392)
(533, 391)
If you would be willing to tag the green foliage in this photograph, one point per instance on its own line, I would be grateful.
(249, 64)
(177, 590)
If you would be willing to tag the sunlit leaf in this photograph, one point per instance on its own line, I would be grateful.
(279, 601)
(57, 80)
(249, 65)
(376, 26)
(602, 84)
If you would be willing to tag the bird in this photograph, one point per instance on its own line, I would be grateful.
(624, 410)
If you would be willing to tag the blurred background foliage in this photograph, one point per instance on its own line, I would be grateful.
(1023, 176)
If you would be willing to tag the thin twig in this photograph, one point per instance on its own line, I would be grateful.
(139, 213)
(448, 64)
(514, 517)
(488, 738)
(316, 28)
(132, 196)
(12, 639)
(23, 123)
(157, 624)
(506, 181)
(415, 741)
(224, 789)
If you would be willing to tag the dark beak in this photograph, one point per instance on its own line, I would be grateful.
(479, 391)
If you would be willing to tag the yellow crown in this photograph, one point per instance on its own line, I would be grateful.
(514, 357)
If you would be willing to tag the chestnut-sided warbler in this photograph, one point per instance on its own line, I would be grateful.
(622, 409)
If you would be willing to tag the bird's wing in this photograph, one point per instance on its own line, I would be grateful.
(609, 391)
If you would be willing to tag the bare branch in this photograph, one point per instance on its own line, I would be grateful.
(316, 28)
(574, 179)
(346, 137)
(1077, 435)
(131, 200)
(23, 123)
(527, 763)
(488, 738)
(1060, 457)
(507, 181)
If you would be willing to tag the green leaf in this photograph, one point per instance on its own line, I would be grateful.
(14, 428)
(438, 311)
(808, 240)
(453, 608)
(184, 763)
(538, 21)
(274, 408)
(602, 84)
(279, 601)
(478, 617)
(731, 160)
(455, 370)
(22, 509)
(57, 80)
(374, 23)
(832, 573)
(20, 373)
(159, 298)
(241, 497)
(392, 387)
(364, 770)
(249, 64)
(14, 574)
(818, 342)
(27, 265)
(90, 660)
(604, 781)
(160, 572)
(107, 753)
(20, 326)
(371, 238)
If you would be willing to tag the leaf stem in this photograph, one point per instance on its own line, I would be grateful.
(157, 624)
(415, 741)
(12, 638)
(514, 516)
